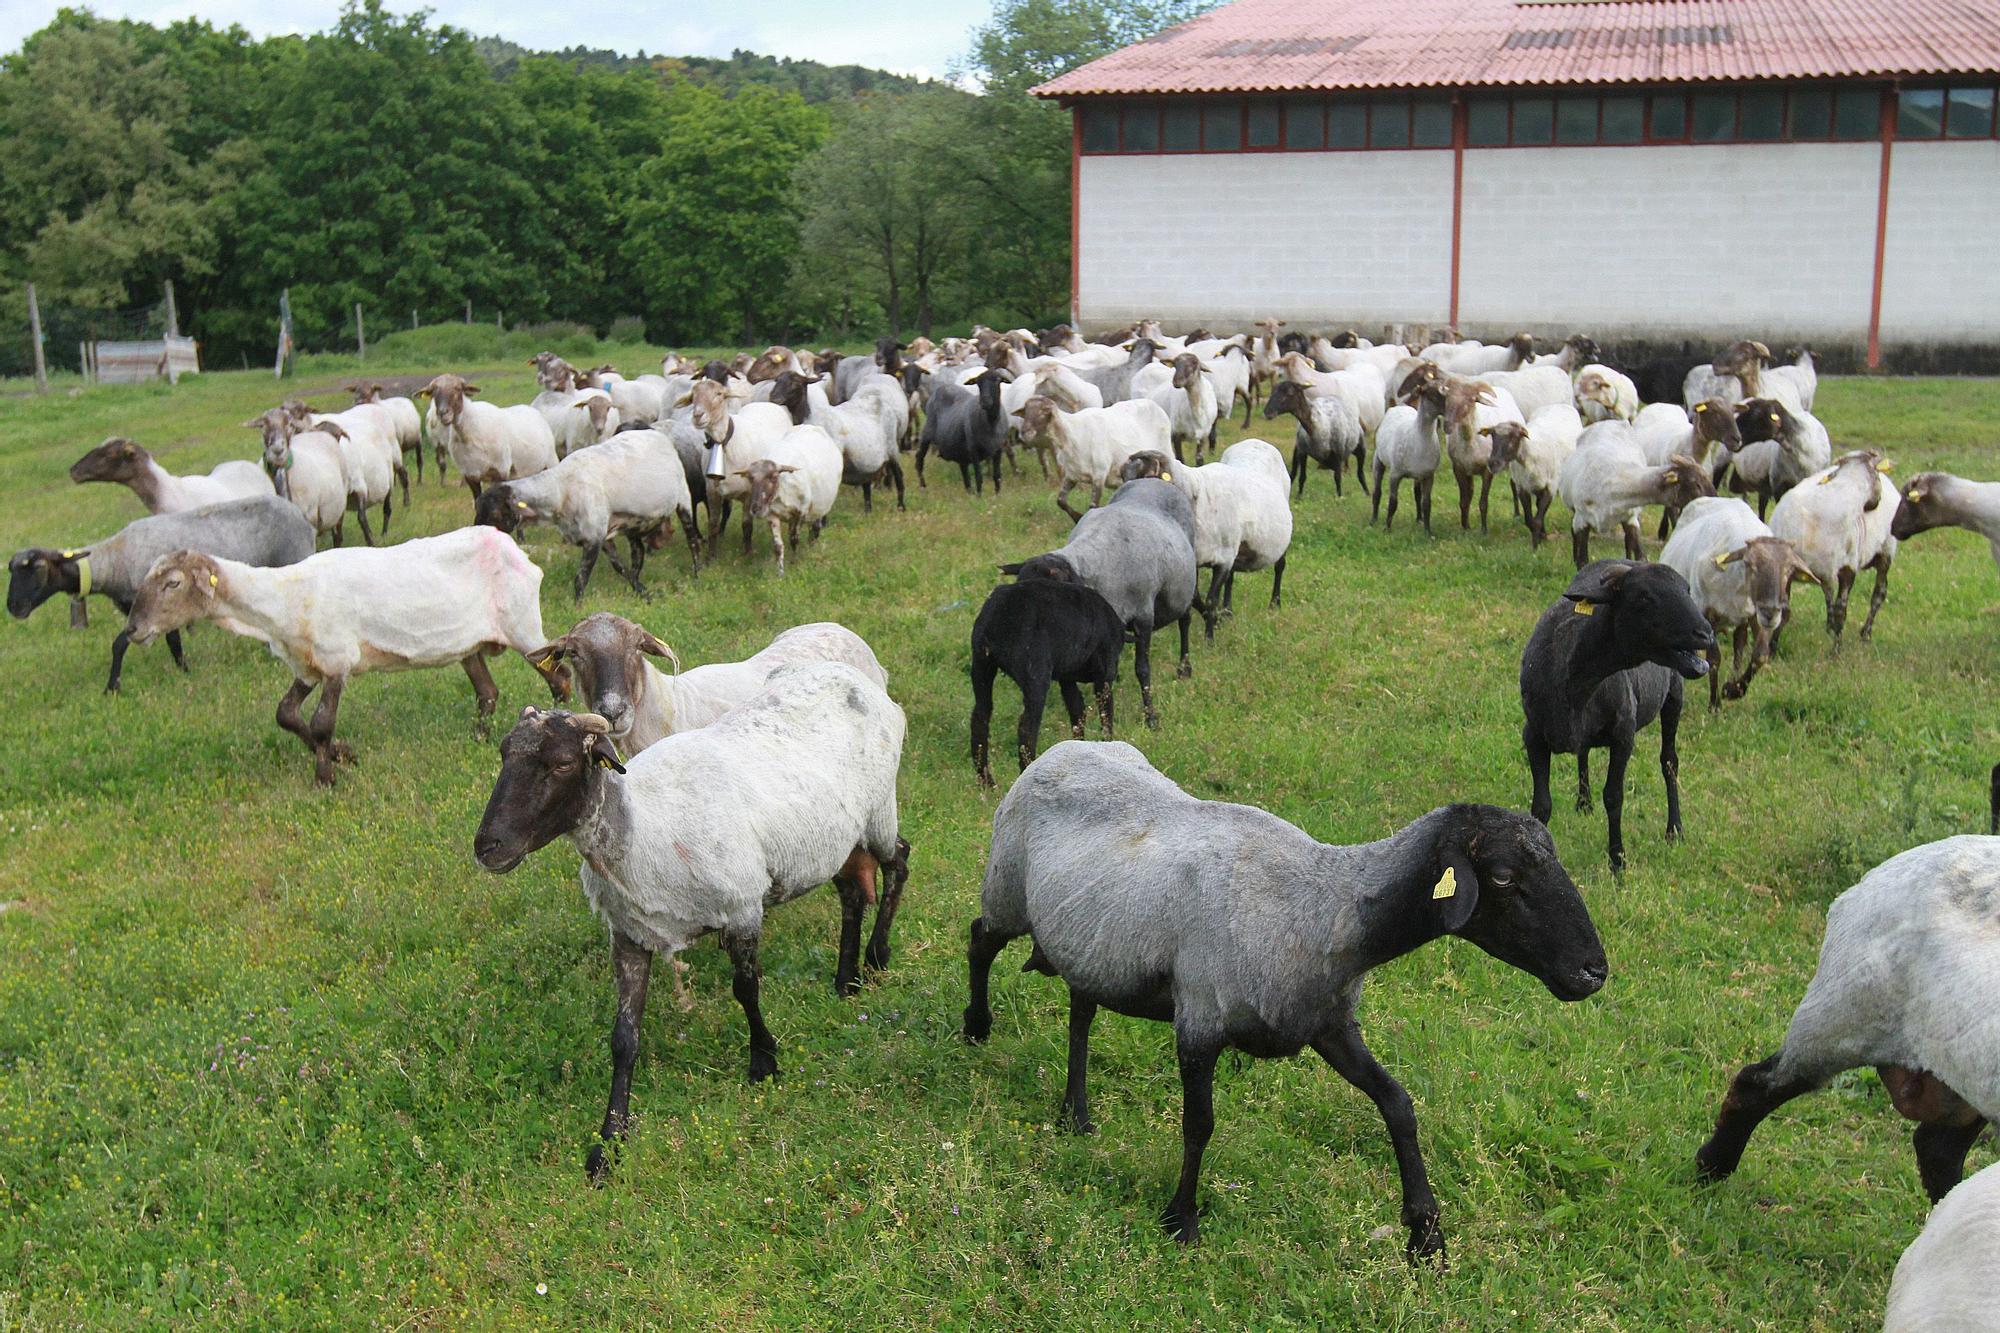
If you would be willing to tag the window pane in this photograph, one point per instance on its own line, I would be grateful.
(1100, 129)
(1857, 113)
(1433, 125)
(1763, 115)
(1346, 125)
(1970, 113)
(1919, 113)
(1486, 123)
(1180, 130)
(1305, 123)
(1714, 117)
(1576, 120)
(1670, 116)
(1222, 127)
(1812, 111)
(1534, 119)
(1142, 128)
(1624, 120)
(1263, 124)
(1389, 123)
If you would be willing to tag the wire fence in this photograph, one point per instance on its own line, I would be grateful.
(65, 328)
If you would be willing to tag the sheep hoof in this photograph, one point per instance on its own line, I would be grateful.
(1426, 1242)
(1185, 671)
(1583, 806)
(1618, 862)
(843, 986)
(763, 1065)
(978, 1027)
(597, 1166)
(1182, 1226)
(985, 777)
(1075, 1121)
(1152, 720)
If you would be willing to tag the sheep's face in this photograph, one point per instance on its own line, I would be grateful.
(711, 411)
(1649, 611)
(1344, 340)
(1770, 567)
(1146, 463)
(1714, 423)
(1187, 369)
(548, 764)
(35, 575)
(499, 507)
(1921, 508)
(117, 459)
(1038, 414)
(1522, 345)
(448, 394)
(1687, 481)
(1762, 419)
(762, 477)
(1584, 348)
(1054, 567)
(1524, 909)
(606, 654)
(178, 590)
(1507, 438)
(1285, 396)
(789, 390)
(365, 393)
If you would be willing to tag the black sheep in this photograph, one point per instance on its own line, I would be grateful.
(1602, 663)
(967, 425)
(1038, 631)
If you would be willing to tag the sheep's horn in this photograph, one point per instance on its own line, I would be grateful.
(592, 723)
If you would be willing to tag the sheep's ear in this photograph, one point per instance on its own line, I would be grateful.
(1455, 894)
(1011, 570)
(1885, 465)
(254, 423)
(605, 754)
(1598, 582)
(471, 388)
(1671, 475)
(653, 646)
(1799, 571)
(1729, 558)
(1701, 407)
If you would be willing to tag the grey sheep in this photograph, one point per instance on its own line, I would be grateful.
(262, 530)
(1138, 554)
(1243, 931)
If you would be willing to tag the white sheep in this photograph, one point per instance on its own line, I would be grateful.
(320, 472)
(1533, 387)
(128, 464)
(1905, 982)
(369, 428)
(1242, 515)
(1777, 448)
(408, 421)
(868, 426)
(706, 830)
(486, 443)
(1604, 394)
(1363, 385)
(1947, 1279)
(1092, 445)
(578, 418)
(794, 480)
(735, 436)
(1533, 452)
(432, 601)
(1741, 574)
(1841, 521)
(1470, 408)
(1607, 481)
(1476, 358)
(1190, 402)
(1407, 445)
(1938, 500)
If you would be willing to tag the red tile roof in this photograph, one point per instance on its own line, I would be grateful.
(1272, 45)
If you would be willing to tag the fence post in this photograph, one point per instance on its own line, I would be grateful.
(360, 340)
(284, 332)
(468, 310)
(500, 320)
(83, 360)
(413, 317)
(173, 315)
(35, 333)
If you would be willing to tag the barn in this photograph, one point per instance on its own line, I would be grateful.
(1820, 171)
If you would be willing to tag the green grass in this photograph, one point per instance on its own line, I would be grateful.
(272, 1056)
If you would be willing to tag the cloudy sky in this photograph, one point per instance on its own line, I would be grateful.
(910, 36)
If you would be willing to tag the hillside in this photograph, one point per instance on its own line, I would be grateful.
(810, 79)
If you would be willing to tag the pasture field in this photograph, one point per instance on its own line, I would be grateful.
(277, 1057)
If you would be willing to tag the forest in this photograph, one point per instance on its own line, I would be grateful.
(422, 172)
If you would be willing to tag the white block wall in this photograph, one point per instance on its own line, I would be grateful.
(1659, 242)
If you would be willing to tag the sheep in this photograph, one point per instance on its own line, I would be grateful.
(1738, 373)
(867, 427)
(1191, 403)
(578, 418)
(1841, 520)
(1904, 983)
(408, 422)
(486, 443)
(313, 469)
(370, 443)
(1741, 577)
(1055, 382)
(1138, 553)
(1407, 445)
(1947, 1277)
(640, 402)
(967, 425)
(1578, 350)
(432, 601)
(732, 441)
(1264, 354)
(261, 530)
(1245, 932)
(1476, 358)
(1606, 659)
(1938, 499)
(1533, 452)
(1363, 386)
(1607, 481)
(1796, 381)
(120, 460)
(1470, 406)
(846, 373)
(1114, 381)
(795, 480)
(1533, 387)
(607, 656)
(1328, 432)
(707, 829)
(1707, 432)
(1038, 631)
(1778, 448)
(632, 485)
(1091, 445)
(1604, 394)
(1242, 516)
(1228, 372)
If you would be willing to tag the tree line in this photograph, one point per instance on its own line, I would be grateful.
(412, 168)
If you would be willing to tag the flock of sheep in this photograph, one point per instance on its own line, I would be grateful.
(699, 799)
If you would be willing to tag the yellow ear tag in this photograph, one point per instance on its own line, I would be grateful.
(1722, 561)
(1166, 476)
(1447, 887)
(211, 580)
(1886, 465)
(1827, 480)
(520, 504)
(1586, 608)
(1916, 494)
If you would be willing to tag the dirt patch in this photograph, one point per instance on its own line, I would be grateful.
(336, 392)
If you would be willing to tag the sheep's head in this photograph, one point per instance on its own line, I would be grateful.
(607, 654)
(1038, 414)
(178, 590)
(548, 764)
(1286, 396)
(500, 507)
(117, 459)
(1686, 481)
(739, 365)
(1714, 423)
(1187, 369)
(1500, 885)
(1507, 438)
(1583, 348)
(1741, 359)
(1147, 463)
(710, 401)
(1770, 567)
(1297, 367)
(1648, 612)
(920, 346)
(769, 364)
(1345, 340)
(1922, 507)
(448, 394)
(1053, 566)
(365, 392)
(37, 574)
(299, 411)
(1592, 387)
(762, 477)
(1872, 465)
(1461, 399)
(789, 391)
(1522, 346)
(1762, 419)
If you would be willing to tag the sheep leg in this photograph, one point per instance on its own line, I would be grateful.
(1395, 493)
(361, 513)
(1185, 670)
(1213, 609)
(1142, 667)
(854, 882)
(1538, 530)
(1246, 409)
(1941, 1150)
(742, 950)
(385, 508)
(984, 667)
(1634, 547)
(1299, 469)
(922, 448)
(777, 542)
(1353, 1061)
(1073, 705)
(1583, 780)
(631, 576)
(1425, 491)
(1836, 604)
(1034, 697)
(1879, 596)
(1670, 758)
(632, 967)
(1375, 509)
(1197, 1124)
(982, 947)
(896, 475)
(1074, 1114)
(118, 647)
(472, 486)
(1464, 480)
(1614, 798)
(966, 474)
(483, 690)
(1062, 500)
(889, 897)
(1360, 459)
(586, 566)
(693, 536)
(996, 474)
(1755, 1092)
(1278, 580)
(289, 715)
(174, 647)
(867, 497)
(326, 750)
(1540, 804)
(1715, 670)
(1104, 692)
(1485, 493)
(1042, 457)
(403, 475)
(1579, 546)
(746, 530)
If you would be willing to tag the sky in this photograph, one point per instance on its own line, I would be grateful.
(919, 37)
